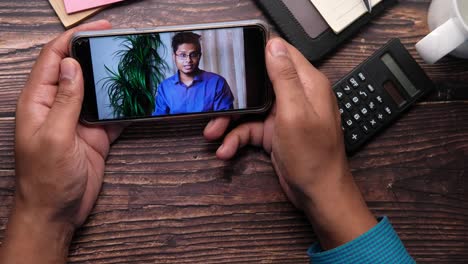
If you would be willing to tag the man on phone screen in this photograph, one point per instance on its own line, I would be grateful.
(191, 89)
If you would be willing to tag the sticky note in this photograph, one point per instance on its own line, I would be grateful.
(72, 6)
(70, 20)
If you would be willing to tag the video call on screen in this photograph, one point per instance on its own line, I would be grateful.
(176, 73)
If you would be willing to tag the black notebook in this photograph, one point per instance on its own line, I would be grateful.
(300, 22)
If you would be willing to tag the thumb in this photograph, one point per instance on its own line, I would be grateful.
(66, 108)
(283, 74)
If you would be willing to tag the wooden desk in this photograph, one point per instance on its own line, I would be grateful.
(166, 199)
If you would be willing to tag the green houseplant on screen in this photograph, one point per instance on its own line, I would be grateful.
(133, 86)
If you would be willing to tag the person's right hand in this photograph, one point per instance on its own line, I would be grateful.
(304, 137)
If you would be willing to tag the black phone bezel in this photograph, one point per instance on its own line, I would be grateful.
(255, 37)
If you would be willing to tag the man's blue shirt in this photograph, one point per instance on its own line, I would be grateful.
(208, 92)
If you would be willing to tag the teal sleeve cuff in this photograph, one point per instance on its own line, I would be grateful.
(381, 244)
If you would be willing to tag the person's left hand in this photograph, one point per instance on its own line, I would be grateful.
(59, 162)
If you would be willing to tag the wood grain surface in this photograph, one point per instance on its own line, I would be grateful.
(167, 199)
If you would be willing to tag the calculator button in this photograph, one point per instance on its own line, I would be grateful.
(372, 105)
(388, 110)
(373, 123)
(349, 123)
(380, 117)
(363, 95)
(347, 89)
(364, 111)
(371, 88)
(355, 100)
(341, 109)
(366, 128)
(339, 95)
(357, 117)
(354, 83)
(354, 137)
(347, 104)
(379, 99)
(362, 77)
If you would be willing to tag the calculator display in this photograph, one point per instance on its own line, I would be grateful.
(392, 65)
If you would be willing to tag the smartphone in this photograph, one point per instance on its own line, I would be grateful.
(173, 72)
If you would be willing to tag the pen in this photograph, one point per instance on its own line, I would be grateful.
(368, 5)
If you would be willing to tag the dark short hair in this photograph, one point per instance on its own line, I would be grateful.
(186, 38)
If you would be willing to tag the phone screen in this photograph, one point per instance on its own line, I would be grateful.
(173, 73)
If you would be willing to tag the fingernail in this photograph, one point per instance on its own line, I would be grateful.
(221, 147)
(67, 69)
(277, 48)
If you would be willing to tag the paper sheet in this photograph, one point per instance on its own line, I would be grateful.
(339, 14)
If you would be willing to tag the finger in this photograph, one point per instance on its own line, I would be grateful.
(39, 93)
(65, 111)
(114, 131)
(304, 68)
(283, 74)
(268, 129)
(248, 133)
(46, 69)
(216, 127)
(316, 86)
(96, 137)
(100, 137)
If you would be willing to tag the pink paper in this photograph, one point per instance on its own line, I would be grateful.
(72, 6)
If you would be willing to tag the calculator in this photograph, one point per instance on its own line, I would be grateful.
(377, 92)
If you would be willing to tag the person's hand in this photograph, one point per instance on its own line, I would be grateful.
(59, 162)
(304, 137)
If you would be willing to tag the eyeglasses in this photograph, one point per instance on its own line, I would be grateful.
(183, 56)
